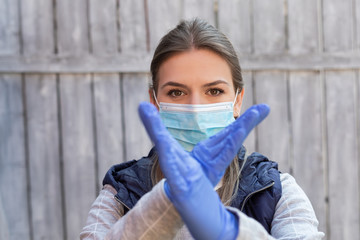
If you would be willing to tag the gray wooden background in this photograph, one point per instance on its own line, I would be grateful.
(73, 72)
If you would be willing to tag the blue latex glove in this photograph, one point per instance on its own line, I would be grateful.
(188, 186)
(216, 153)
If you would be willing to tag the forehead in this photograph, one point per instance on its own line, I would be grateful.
(196, 66)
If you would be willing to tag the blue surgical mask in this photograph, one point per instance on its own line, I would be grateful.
(192, 123)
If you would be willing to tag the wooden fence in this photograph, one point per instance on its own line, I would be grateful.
(73, 72)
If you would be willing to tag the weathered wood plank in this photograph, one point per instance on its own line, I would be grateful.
(269, 26)
(134, 91)
(136, 62)
(77, 150)
(44, 160)
(106, 87)
(74, 39)
(133, 32)
(203, 9)
(37, 27)
(9, 28)
(273, 134)
(343, 164)
(108, 119)
(303, 33)
(103, 27)
(338, 14)
(42, 120)
(72, 27)
(163, 16)
(134, 20)
(248, 101)
(235, 22)
(306, 107)
(4, 228)
(306, 119)
(13, 173)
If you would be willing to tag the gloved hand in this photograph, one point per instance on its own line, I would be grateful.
(216, 153)
(187, 185)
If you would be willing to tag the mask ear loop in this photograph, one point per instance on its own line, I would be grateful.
(236, 95)
(156, 98)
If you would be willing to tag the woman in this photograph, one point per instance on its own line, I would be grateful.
(196, 95)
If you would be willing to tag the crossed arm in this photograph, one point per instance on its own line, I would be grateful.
(187, 195)
(191, 177)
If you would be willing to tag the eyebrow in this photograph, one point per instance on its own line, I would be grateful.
(173, 84)
(176, 84)
(216, 83)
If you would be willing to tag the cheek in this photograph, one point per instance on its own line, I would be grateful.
(162, 97)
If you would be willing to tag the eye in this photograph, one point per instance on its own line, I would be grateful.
(215, 91)
(175, 93)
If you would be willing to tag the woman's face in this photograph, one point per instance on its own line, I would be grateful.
(198, 76)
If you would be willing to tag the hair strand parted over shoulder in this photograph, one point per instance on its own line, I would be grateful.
(196, 34)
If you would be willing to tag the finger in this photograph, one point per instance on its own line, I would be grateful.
(221, 148)
(239, 130)
(176, 164)
(168, 148)
(246, 122)
(254, 116)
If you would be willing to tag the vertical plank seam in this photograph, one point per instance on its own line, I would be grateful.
(55, 26)
(89, 27)
(61, 158)
(354, 26)
(122, 111)
(320, 18)
(118, 25)
(181, 8)
(252, 103)
(216, 13)
(286, 25)
(252, 30)
(290, 122)
(357, 111)
(324, 130)
(255, 102)
(21, 37)
(95, 137)
(321, 49)
(147, 25)
(27, 157)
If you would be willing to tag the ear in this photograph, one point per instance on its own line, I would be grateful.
(151, 97)
(238, 103)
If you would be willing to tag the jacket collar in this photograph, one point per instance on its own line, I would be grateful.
(254, 175)
(132, 179)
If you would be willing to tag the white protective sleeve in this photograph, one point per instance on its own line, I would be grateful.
(154, 217)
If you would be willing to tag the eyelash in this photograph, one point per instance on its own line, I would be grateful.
(173, 91)
(220, 91)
